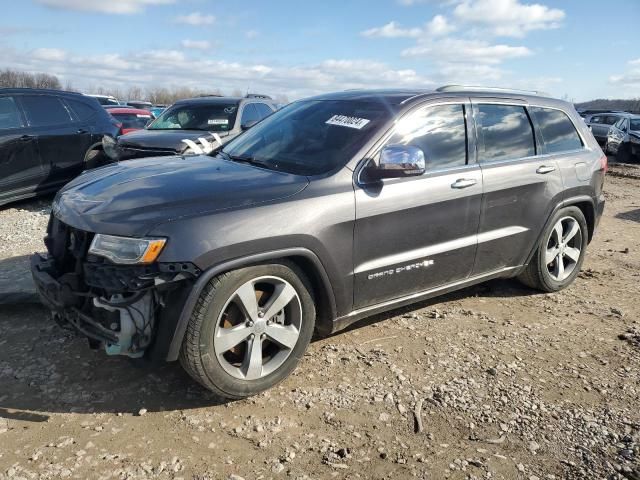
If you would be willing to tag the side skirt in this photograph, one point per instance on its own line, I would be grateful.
(343, 322)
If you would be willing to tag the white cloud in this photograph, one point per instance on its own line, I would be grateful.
(196, 19)
(53, 54)
(630, 79)
(392, 30)
(252, 34)
(509, 17)
(179, 68)
(196, 44)
(104, 6)
(453, 50)
(439, 25)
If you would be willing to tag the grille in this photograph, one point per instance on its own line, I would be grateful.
(67, 246)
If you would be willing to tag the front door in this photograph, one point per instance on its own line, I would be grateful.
(20, 166)
(417, 233)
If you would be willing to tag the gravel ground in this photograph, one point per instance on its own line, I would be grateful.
(492, 382)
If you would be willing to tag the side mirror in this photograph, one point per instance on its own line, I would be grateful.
(248, 125)
(399, 161)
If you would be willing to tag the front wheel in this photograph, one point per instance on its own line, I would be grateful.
(560, 253)
(249, 329)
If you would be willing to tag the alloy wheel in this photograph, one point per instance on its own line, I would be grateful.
(564, 247)
(258, 328)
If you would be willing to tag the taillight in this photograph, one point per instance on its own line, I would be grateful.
(604, 163)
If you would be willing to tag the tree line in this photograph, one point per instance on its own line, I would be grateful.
(156, 95)
(608, 104)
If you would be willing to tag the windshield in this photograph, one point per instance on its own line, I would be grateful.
(211, 118)
(310, 137)
(634, 124)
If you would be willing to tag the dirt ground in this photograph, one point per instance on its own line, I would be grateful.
(507, 383)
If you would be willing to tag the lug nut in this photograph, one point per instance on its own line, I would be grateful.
(261, 314)
(252, 336)
(263, 336)
(249, 323)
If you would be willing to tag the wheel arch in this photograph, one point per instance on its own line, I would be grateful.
(304, 258)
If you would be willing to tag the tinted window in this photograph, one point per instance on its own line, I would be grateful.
(557, 130)
(611, 119)
(440, 133)
(263, 109)
(596, 119)
(635, 124)
(9, 114)
(249, 114)
(311, 137)
(217, 117)
(81, 109)
(132, 120)
(505, 132)
(43, 110)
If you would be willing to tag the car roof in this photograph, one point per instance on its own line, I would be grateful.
(40, 90)
(129, 110)
(209, 100)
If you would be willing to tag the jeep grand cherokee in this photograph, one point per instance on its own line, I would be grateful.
(332, 209)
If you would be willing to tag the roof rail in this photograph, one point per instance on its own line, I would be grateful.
(476, 88)
(257, 95)
(203, 95)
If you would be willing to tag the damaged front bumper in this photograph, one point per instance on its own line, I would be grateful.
(119, 308)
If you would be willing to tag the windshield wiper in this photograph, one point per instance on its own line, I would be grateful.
(247, 159)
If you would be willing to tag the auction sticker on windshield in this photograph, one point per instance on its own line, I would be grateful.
(218, 121)
(345, 121)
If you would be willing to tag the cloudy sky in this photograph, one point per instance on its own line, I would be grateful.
(580, 49)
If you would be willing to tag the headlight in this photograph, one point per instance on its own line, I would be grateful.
(127, 250)
(111, 148)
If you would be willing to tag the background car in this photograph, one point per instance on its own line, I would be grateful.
(623, 139)
(600, 124)
(192, 119)
(130, 119)
(47, 137)
(157, 110)
(104, 99)
(141, 104)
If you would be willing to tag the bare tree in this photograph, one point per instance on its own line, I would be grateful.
(12, 78)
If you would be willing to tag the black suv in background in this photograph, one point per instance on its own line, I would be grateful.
(46, 139)
(332, 209)
(192, 119)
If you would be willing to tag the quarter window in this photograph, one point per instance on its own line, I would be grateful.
(263, 109)
(45, 110)
(439, 131)
(249, 114)
(505, 133)
(81, 109)
(9, 114)
(557, 130)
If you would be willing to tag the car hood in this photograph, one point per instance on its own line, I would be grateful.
(162, 139)
(131, 197)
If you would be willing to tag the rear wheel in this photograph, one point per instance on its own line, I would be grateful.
(249, 329)
(560, 254)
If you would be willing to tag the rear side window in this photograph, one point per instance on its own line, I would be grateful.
(249, 114)
(596, 119)
(132, 120)
(9, 114)
(263, 109)
(439, 131)
(505, 132)
(81, 109)
(43, 110)
(611, 119)
(557, 130)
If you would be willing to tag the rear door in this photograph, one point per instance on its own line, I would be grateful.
(20, 165)
(417, 233)
(520, 187)
(62, 138)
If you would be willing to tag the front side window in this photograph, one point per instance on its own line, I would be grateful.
(218, 117)
(611, 119)
(311, 137)
(249, 114)
(596, 119)
(439, 131)
(634, 125)
(505, 133)
(263, 109)
(9, 114)
(44, 110)
(557, 130)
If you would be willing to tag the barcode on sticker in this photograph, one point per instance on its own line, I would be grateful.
(345, 121)
(218, 121)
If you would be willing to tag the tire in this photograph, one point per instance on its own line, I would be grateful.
(95, 158)
(224, 308)
(546, 275)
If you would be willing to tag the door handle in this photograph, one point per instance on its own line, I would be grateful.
(542, 169)
(82, 130)
(24, 138)
(464, 183)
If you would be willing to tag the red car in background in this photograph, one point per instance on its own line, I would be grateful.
(130, 119)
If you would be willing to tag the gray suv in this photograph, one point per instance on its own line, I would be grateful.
(330, 210)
